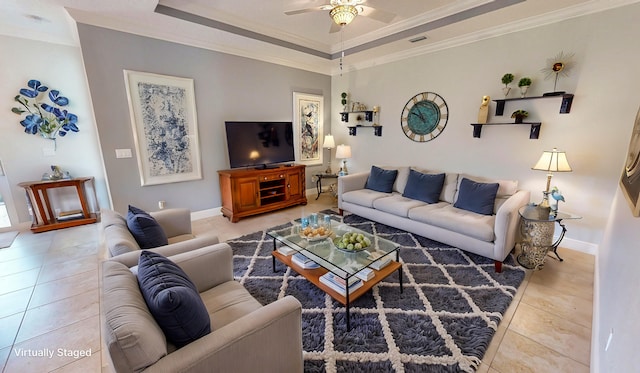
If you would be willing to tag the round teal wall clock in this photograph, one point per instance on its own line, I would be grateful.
(424, 117)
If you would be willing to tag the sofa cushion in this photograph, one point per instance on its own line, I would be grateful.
(424, 187)
(228, 302)
(145, 229)
(381, 180)
(396, 204)
(465, 222)
(172, 299)
(133, 338)
(363, 197)
(476, 197)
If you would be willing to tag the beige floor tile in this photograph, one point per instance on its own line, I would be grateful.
(75, 236)
(4, 355)
(68, 268)
(11, 267)
(92, 363)
(65, 254)
(490, 354)
(483, 368)
(18, 252)
(15, 302)
(56, 315)
(579, 284)
(520, 354)
(561, 335)
(9, 326)
(82, 337)
(18, 281)
(66, 287)
(576, 309)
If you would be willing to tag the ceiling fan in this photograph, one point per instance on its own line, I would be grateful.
(344, 11)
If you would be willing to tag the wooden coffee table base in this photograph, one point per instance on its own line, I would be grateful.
(313, 275)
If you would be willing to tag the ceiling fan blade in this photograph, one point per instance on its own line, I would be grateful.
(301, 11)
(334, 27)
(377, 14)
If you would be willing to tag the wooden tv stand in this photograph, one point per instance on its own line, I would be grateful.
(251, 191)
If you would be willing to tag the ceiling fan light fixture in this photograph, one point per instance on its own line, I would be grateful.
(343, 14)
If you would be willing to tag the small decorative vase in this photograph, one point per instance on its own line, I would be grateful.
(506, 91)
(523, 90)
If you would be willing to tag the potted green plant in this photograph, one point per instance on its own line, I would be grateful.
(519, 115)
(506, 80)
(524, 84)
(343, 101)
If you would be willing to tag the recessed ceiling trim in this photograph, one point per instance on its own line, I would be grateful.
(424, 28)
(401, 35)
(189, 17)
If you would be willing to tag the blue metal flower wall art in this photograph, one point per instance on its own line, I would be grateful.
(46, 119)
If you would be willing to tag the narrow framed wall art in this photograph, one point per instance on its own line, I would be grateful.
(165, 127)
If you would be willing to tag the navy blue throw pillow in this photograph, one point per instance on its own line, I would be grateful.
(145, 229)
(173, 299)
(381, 180)
(424, 187)
(476, 197)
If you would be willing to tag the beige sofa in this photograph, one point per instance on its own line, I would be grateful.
(492, 236)
(245, 336)
(175, 222)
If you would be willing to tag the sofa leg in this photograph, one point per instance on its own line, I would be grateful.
(498, 266)
(341, 212)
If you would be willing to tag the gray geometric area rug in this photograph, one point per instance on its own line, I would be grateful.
(444, 320)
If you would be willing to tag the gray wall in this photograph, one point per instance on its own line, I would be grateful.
(226, 88)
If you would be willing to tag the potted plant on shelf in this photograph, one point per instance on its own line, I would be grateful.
(524, 84)
(343, 101)
(519, 115)
(506, 80)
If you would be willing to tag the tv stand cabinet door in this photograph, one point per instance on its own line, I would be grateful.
(295, 184)
(246, 194)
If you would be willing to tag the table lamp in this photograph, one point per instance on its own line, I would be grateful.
(551, 161)
(343, 152)
(329, 143)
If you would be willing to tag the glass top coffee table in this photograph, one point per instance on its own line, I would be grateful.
(344, 265)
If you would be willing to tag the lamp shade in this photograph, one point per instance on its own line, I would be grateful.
(329, 143)
(553, 161)
(343, 151)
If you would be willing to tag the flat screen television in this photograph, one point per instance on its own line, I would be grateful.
(259, 144)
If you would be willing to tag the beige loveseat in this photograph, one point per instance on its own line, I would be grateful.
(245, 336)
(175, 222)
(492, 236)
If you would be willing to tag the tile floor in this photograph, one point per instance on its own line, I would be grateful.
(49, 303)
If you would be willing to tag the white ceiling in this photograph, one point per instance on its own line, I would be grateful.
(261, 29)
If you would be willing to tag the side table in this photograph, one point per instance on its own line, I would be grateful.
(44, 218)
(319, 178)
(537, 229)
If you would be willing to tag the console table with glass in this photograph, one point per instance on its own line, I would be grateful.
(341, 263)
(537, 228)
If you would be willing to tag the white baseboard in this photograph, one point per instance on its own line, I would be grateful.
(203, 214)
(577, 245)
